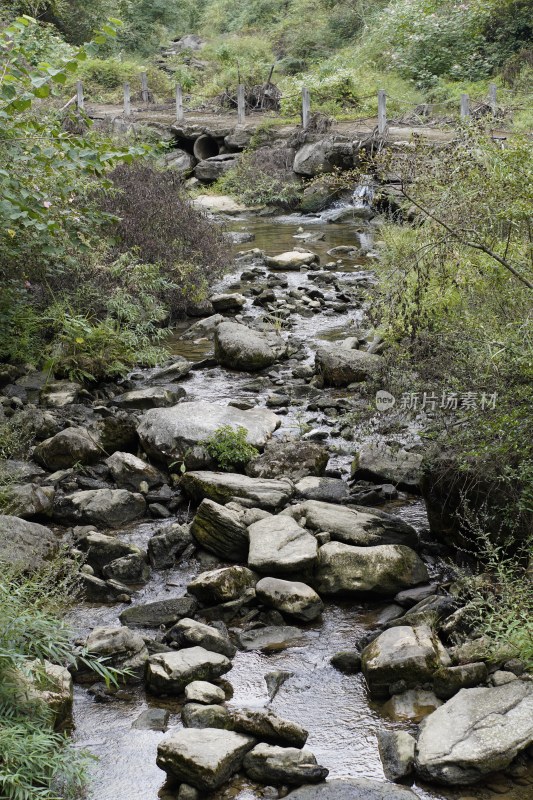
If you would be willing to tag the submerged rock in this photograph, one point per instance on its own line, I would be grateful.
(271, 639)
(353, 789)
(151, 397)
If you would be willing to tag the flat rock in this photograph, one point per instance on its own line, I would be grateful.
(169, 673)
(108, 508)
(121, 648)
(224, 487)
(264, 724)
(25, 545)
(241, 348)
(353, 789)
(271, 638)
(220, 203)
(296, 599)
(292, 260)
(477, 732)
(151, 397)
(178, 368)
(129, 472)
(102, 549)
(220, 531)
(190, 632)
(269, 764)
(204, 692)
(160, 612)
(28, 500)
(222, 585)
(279, 546)
(340, 367)
(377, 461)
(330, 490)
(177, 433)
(205, 758)
(293, 460)
(380, 570)
(198, 715)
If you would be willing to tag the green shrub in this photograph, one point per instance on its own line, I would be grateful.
(262, 177)
(229, 448)
(104, 78)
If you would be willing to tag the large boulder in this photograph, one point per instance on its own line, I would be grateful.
(397, 753)
(297, 600)
(151, 397)
(66, 448)
(109, 508)
(189, 632)
(340, 366)
(477, 732)
(356, 526)
(409, 655)
(29, 500)
(241, 348)
(102, 549)
(169, 673)
(224, 487)
(159, 612)
(377, 461)
(312, 159)
(167, 544)
(129, 472)
(121, 648)
(279, 546)
(211, 169)
(292, 260)
(381, 570)
(294, 460)
(178, 433)
(353, 789)
(269, 764)
(221, 531)
(222, 585)
(25, 545)
(204, 758)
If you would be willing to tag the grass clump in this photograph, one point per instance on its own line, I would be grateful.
(229, 448)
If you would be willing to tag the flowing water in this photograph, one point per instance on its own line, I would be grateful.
(335, 708)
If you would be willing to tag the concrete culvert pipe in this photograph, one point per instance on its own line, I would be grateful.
(205, 147)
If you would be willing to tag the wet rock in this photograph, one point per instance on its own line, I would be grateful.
(269, 727)
(131, 569)
(196, 715)
(153, 719)
(293, 460)
(25, 545)
(118, 432)
(167, 545)
(204, 692)
(223, 487)
(20, 471)
(340, 367)
(51, 684)
(189, 632)
(329, 490)
(173, 371)
(58, 394)
(353, 789)
(110, 508)
(169, 673)
(313, 158)
(347, 661)
(282, 765)
(220, 531)
(447, 681)
(377, 461)
(292, 260)
(429, 611)
(475, 733)
(293, 598)
(381, 570)
(170, 434)
(67, 448)
(211, 169)
(151, 397)
(97, 590)
(279, 546)
(222, 585)
(481, 649)
(102, 549)
(121, 648)
(241, 348)
(160, 612)
(410, 597)
(271, 638)
(129, 472)
(204, 759)
(397, 753)
(412, 705)
(28, 500)
(410, 655)
(356, 526)
(227, 302)
(186, 792)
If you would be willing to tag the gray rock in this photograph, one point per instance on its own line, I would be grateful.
(340, 367)
(329, 490)
(222, 585)
(177, 433)
(264, 724)
(153, 719)
(279, 546)
(271, 639)
(312, 159)
(176, 369)
(353, 789)
(131, 569)
(160, 612)
(220, 531)
(205, 758)
(67, 448)
(204, 692)
(169, 673)
(429, 611)
(377, 461)
(227, 302)
(129, 472)
(102, 549)
(180, 161)
(121, 648)
(290, 597)
(197, 715)
(167, 545)
(211, 169)
(223, 487)
(189, 632)
(28, 500)
(293, 460)
(397, 753)
(410, 597)
(411, 706)
(347, 661)
(292, 260)
(151, 397)
(241, 348)
(25, 545)
(186, 792)
(267, 763)
(110, 508)
(381, 570)
(356, 526)
(410, 655)
(477, 732)
(58, 394)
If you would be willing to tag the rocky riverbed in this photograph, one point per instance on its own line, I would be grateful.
(291, 631)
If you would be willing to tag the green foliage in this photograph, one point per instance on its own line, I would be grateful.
(229, 448)
(104, 79)
(262, 177)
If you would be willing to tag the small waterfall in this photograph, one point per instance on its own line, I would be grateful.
(359, 204)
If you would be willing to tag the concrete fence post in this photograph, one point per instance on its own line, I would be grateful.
(465, 106)
(179, 104)
(492, 98)
(306, 107)
(127, 100)
(241, 104)
(145, 94)
(80, 99)
(382, 111)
